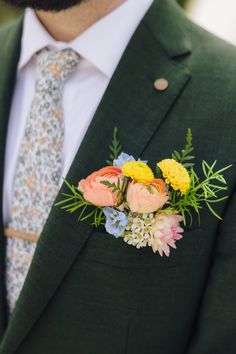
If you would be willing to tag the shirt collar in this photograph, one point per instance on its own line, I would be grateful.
(102, 44)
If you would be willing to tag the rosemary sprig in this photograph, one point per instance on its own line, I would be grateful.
(74, 201)
(206, 191)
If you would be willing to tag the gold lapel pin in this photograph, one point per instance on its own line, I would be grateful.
(161, 84)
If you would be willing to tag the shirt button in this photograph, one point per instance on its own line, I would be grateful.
(161, 84)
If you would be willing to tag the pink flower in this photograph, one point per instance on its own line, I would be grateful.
(97, 193)
(165, 232)
(146, 198)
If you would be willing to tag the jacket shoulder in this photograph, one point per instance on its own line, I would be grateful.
(9, 28)
(211, 50)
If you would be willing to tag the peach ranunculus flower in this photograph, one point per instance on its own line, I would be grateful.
(146, 198)
(97, 193)
(166, 231)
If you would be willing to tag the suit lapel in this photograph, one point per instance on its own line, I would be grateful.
(10, 50)
(133, 105)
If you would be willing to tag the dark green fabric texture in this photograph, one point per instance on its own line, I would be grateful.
(89, 293)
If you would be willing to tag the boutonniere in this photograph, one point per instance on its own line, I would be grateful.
(143, 207)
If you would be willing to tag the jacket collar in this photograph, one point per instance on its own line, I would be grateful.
(168, 23)
(170, 26)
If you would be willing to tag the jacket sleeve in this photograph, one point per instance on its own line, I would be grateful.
(215, 330)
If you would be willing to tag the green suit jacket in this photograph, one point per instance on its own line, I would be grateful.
(89, 293)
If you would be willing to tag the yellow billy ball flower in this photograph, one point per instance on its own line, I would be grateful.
(175, 174)
(138, 171)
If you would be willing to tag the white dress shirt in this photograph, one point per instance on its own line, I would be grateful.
(101, 47)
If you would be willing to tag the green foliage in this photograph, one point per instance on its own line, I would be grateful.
(119, 188)
(208, 191)
(116, 188)
(184, 156)
(75, 201)
(115, 147)
(200, 192)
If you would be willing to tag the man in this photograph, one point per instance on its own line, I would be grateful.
(70, 72)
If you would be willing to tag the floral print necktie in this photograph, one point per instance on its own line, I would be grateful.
(38, 171)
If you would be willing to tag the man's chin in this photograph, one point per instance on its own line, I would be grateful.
(44, 5)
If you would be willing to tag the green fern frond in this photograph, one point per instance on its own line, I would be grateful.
(184, 157)
(115, 147)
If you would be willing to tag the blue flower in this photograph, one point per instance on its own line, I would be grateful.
(116, 221)
(123, 158)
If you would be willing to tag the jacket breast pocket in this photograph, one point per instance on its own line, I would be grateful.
(106, 249)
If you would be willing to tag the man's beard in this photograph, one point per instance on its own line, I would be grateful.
(46, 5)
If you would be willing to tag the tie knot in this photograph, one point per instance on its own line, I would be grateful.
(55, 67)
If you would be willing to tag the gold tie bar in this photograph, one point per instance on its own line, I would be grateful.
(21, 235)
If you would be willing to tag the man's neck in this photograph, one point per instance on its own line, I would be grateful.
(66, 25)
